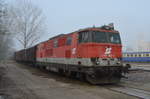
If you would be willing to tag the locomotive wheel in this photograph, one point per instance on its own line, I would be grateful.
(81, 76)
(68, 74)
(91, 79)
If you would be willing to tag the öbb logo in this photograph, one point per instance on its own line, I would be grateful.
(108, 50)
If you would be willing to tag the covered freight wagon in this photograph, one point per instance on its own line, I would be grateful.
(26, 55)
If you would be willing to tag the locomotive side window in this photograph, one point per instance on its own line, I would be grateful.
(85, 36)
(69, 40)
(55, 43)
(93, 36)
(62, 41)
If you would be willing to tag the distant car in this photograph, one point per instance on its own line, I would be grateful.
(136, 57)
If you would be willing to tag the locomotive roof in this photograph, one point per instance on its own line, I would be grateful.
(109, 28)
(104, 27)
(60, 35)
(97, 28)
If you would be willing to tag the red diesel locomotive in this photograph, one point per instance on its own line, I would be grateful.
(92, 53)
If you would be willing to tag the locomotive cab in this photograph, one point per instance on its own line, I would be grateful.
(100, 49)
(101, 46)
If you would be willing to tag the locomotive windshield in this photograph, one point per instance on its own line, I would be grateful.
(114, 38)
(99, 37)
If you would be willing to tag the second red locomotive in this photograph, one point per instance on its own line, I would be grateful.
(92, 53)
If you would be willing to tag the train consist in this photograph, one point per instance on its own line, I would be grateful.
(136, 56)
(94, 54)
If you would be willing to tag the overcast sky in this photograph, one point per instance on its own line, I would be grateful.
(130, 17)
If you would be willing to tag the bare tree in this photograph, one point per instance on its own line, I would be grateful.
(5, 37)
(27, 21)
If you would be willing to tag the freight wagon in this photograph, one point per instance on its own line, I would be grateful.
(26, 55)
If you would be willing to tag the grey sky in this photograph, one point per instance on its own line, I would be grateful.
(130, 17)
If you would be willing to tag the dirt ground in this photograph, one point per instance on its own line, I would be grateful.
(24, 82)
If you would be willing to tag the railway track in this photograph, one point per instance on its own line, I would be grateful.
(140, 69)
(132, 91)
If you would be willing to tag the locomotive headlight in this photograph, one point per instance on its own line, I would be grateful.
(118, 62)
